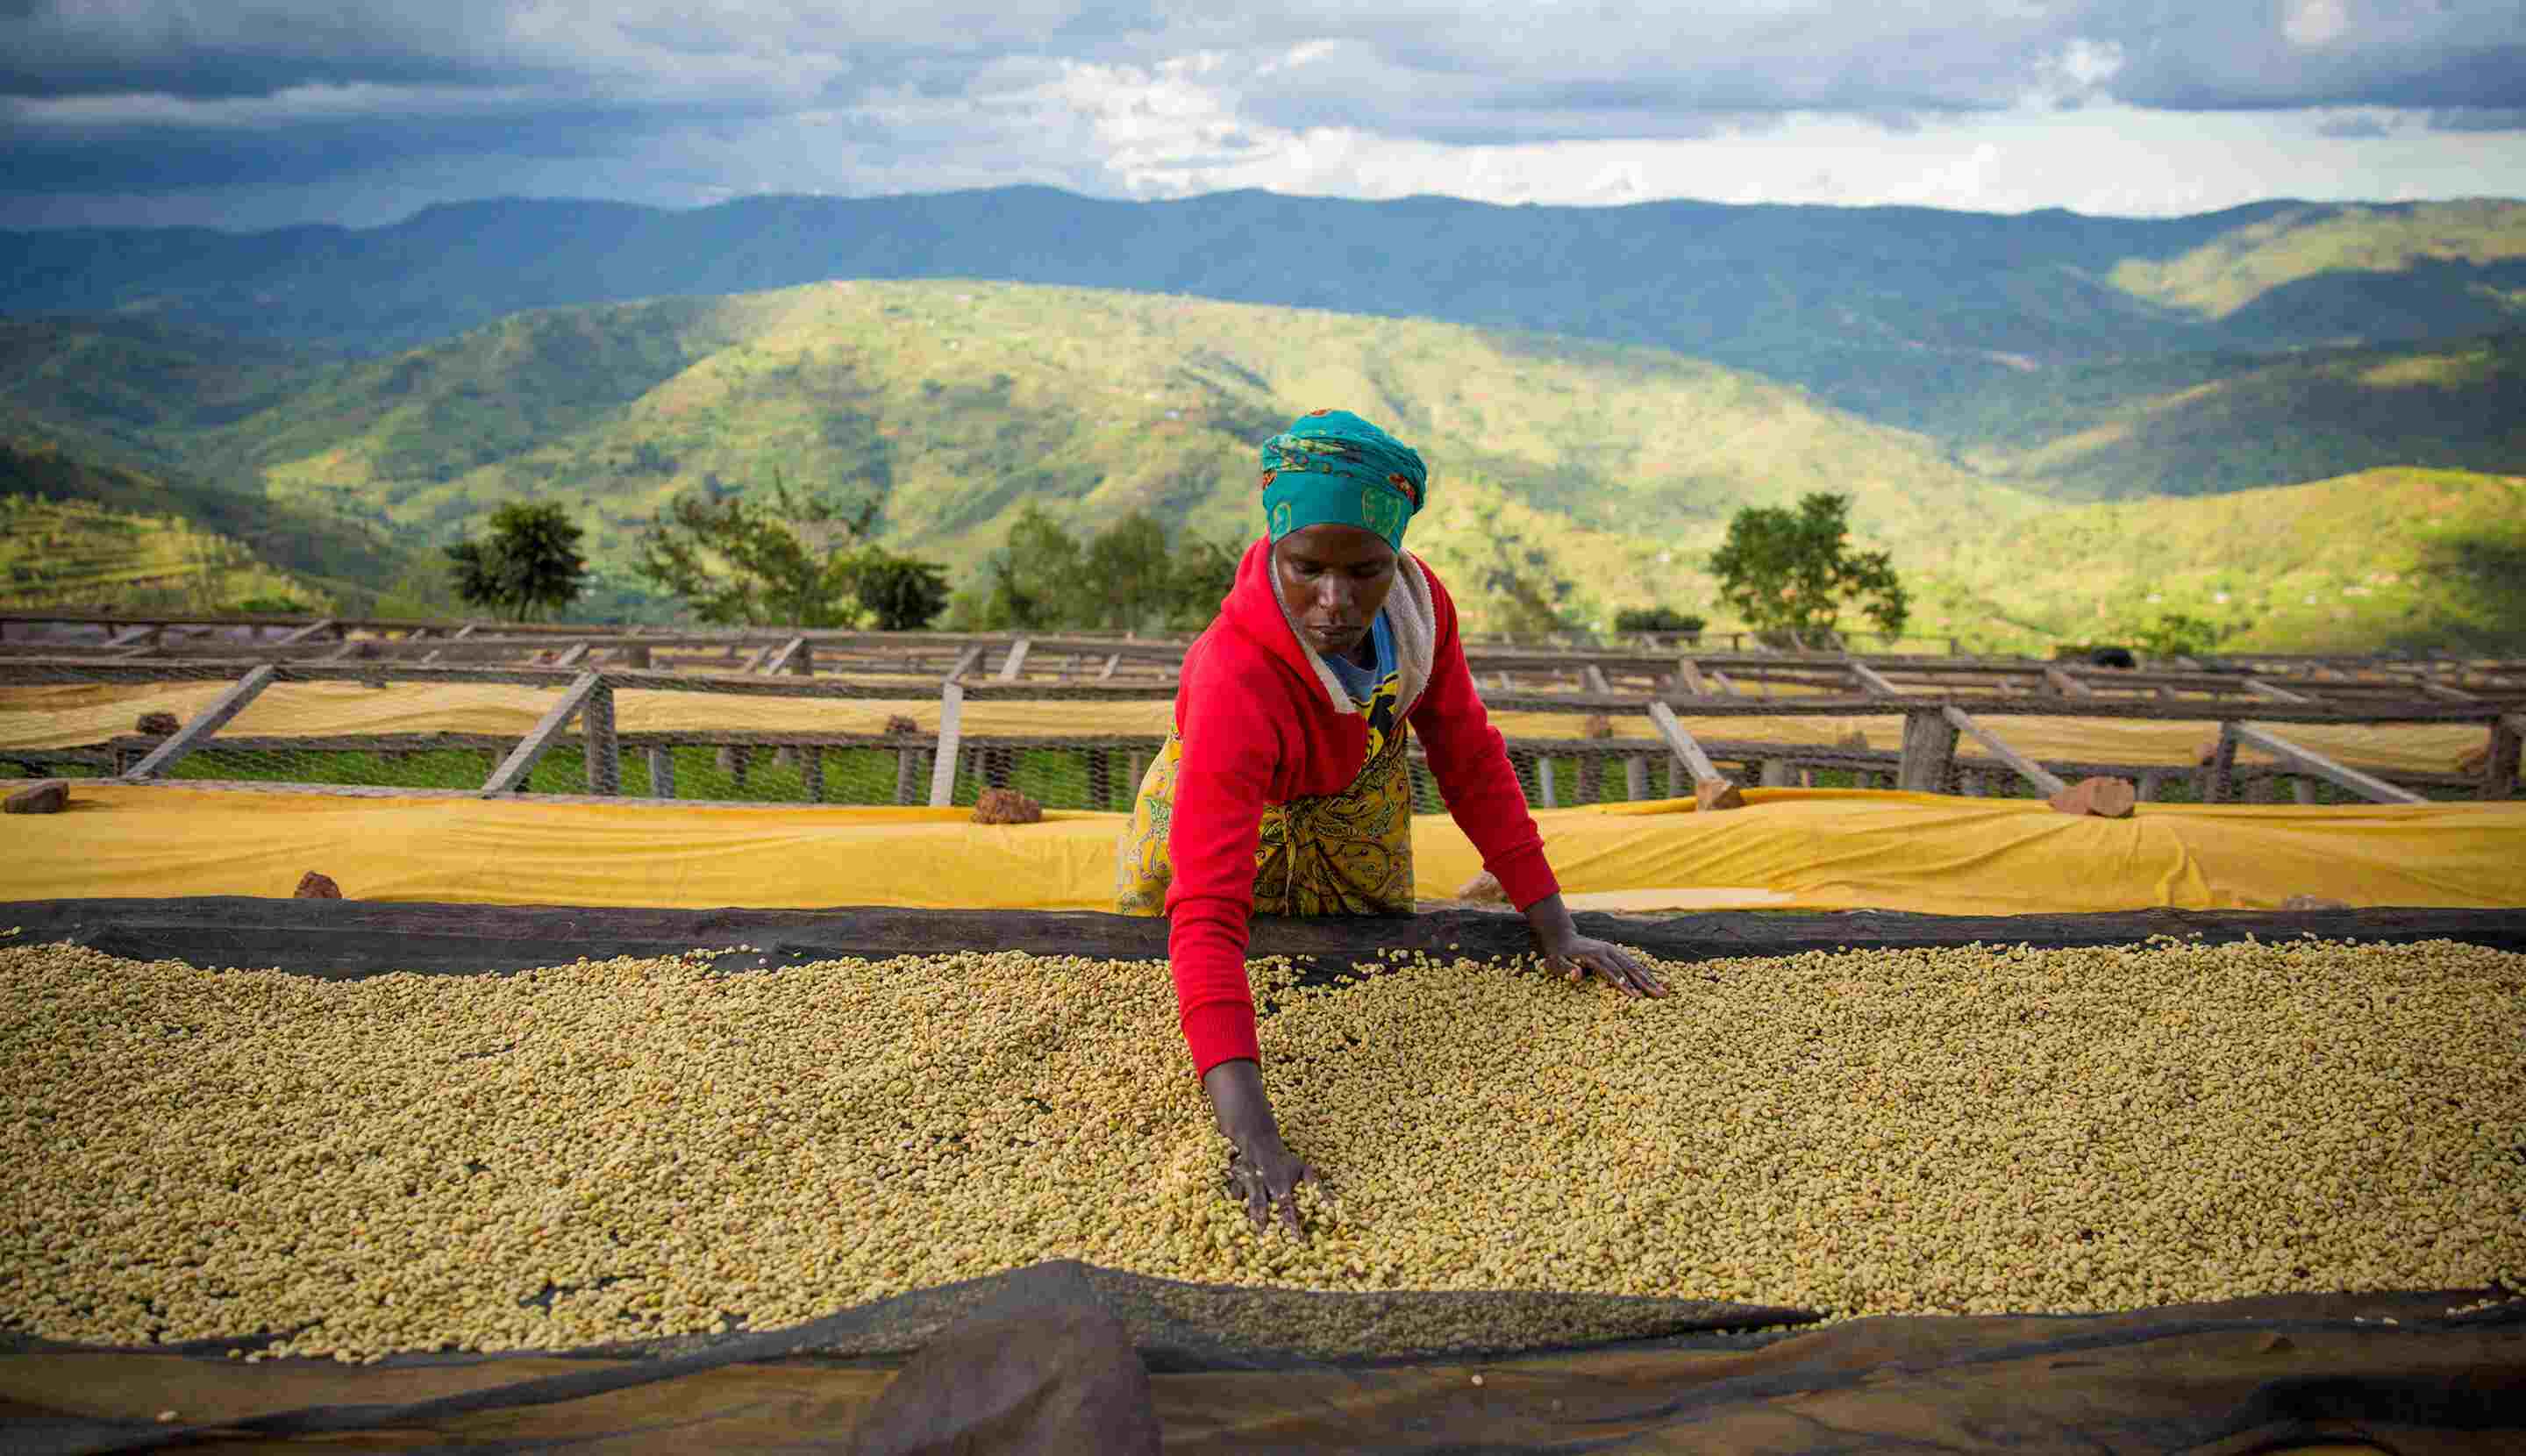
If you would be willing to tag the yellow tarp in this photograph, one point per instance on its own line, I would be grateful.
(57, 716)
(1789, 848)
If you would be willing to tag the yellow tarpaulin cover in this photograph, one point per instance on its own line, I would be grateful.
(58, 717)
(1819, 849)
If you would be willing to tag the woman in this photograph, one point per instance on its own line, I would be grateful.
(1285, 789)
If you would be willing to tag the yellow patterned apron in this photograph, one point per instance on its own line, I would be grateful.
(1347, 854)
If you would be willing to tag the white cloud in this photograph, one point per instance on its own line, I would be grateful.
(2312, 23)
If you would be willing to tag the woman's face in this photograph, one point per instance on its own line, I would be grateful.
(1334, 579)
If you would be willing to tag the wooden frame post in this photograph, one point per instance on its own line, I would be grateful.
(967, 660)
(2500, 771)
(2221, 779)
(1929, 761)
(951, 736)
(604, 750)
(1871, 682)
(209, 720)
(662, 773)
(2067, 685)
(521, 762)
(1015, 663)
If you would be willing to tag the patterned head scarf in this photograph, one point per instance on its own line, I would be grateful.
(1332, 468)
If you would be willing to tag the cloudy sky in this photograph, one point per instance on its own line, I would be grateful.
(258, 113)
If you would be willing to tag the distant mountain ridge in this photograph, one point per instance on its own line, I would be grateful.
(1895, 313)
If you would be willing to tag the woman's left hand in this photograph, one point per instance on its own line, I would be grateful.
(1578, 957)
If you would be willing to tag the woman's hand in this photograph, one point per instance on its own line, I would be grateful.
(1264, 1172)
(1578, 956)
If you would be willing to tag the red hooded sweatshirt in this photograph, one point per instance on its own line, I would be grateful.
(1258, 726)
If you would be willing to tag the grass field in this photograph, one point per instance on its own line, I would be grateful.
(71, 554)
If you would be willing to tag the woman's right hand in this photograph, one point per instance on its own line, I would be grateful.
(1264, 1174)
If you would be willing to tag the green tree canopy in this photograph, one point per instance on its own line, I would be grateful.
(1792, 573)
(790, 559)
(527, 566)
(1127, 577)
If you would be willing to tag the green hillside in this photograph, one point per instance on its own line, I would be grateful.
(2224, 275)
(140, 539)
(71, 554)
(2386, 558)
(958, 403)
(2198, 424)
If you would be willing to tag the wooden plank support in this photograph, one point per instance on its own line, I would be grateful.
(1687, 675)
(1929, 759)
(811, 773)
(951, 733)
(2308, 760)
(1592, 678)
(521, 762)
(604, 750)
(309, 631)
(2045, 781)
(2447, 694)
(572, 656)
(967, 660)
(662, 773)
(1636, 778)
(209, 720)
(129, 635)
(754, 663)
(1872, 682)
(1725, 683)
(1111, 663)
(1682, 745)
(795, 657)
(2067, 685)
(2499, 772)
(1015, 663)
(467, 631)
(2273, 692)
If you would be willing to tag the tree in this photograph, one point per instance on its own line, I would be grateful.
(738, 561)
(2177, 635)
(1202, 571)
(530, 563)
(901, 593)
(1658, 619)
(1791, 573)
(1123, 576)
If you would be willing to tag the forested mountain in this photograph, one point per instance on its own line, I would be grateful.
(1901, 314)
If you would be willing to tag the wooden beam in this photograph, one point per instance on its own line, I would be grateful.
(209, 720)
(2045, 781)
(1015, 663)
(2067, 685)
(1592, 678)
(467, 631)
(1107, 670)
(572, 656)
(2447, 694)
(2219, 776)
(311, 630)
(521, 762)
(754, 662)
(2308, 760)
(1725, 683)
(967, 660)
(145, 633)
(1681, 743)
(1871, 682)
(1687, 675)
(1929, 759)
(662, 773)
(2274, 692)
(951, 736)
(792, 657)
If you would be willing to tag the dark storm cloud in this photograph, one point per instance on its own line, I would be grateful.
(158, 95)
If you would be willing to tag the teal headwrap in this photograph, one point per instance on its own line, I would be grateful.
(1332, 467)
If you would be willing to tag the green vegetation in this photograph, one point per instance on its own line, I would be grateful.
(1124, 577)
(1658, 619)
(528, 567)
(1790, 574)
(791, 557)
